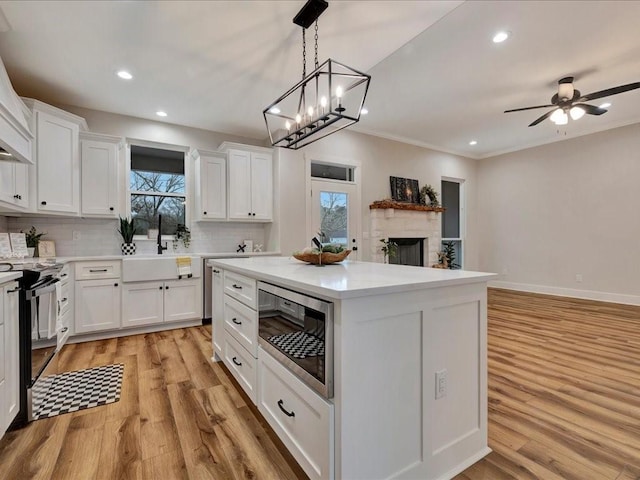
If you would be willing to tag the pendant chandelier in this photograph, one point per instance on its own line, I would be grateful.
(327, 100)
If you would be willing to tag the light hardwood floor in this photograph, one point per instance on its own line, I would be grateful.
(564, 390)
(564, 403)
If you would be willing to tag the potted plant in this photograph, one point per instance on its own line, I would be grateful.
(389, 249)
(182, 234)
(33, 238)
(127, 230)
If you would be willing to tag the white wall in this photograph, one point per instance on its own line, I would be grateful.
(379, 159)
(570, 208)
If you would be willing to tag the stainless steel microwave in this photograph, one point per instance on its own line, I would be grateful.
(297, 330)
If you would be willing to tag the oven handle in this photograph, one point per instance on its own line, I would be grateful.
(42, 289)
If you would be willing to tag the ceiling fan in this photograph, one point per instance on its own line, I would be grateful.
(569, 101)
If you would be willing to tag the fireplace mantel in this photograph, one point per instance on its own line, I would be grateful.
(386, 204)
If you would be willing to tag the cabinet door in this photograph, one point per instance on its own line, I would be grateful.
(182, 300)
(217, 311)
(240, 185)
(11, 352)
(142, 303)
(14, 185)
(261, 186)
(99, 179)
(213, 188)
(4, 419)
(97, 305)
(58, 164)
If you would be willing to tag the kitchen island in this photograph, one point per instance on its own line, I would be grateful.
(409, 368)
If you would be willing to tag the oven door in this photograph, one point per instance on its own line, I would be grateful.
(297, 330)
(43, 310)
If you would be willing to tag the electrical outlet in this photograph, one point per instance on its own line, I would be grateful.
(578, 277)
(441, 384)
(76, 235)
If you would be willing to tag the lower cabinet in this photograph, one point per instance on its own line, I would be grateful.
(242, 366)
(148, 303)
(97, 305)
(217, 311)
(300, 417)
(9, 355)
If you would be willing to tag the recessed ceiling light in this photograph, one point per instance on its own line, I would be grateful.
(125, 75)
(364, 111)
(160, 113)
(473, 142)
(605, 105)
(275, 110)
(501, 36)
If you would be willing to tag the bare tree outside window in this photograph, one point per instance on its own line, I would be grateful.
(154, 193)
(333, 215)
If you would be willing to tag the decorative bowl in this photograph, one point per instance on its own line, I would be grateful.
(327, 258)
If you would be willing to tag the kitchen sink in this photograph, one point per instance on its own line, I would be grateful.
(142, 268)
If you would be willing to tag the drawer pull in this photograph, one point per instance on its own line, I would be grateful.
(288, 414)
(97, 270)
(63, 275)
(238, 287)
(236, 362)
(13, 290)
(288, 304)
(236, 321)
(216, 271)
(64, 299)
(65, 329)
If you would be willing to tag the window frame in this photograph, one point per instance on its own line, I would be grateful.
(462, 217)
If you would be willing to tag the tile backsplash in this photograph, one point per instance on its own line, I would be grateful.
(77, 237)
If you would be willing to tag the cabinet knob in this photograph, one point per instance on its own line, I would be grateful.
(253, 214)
(166, 287)
(216, 271)
(204, 213)
(249, 213)
(111, 209)
(160, 288)
(115, 284)
(43, 203)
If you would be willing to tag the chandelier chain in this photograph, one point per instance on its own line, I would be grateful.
(304, 54)
(316, 44)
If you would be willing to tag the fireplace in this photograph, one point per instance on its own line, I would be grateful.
(410, 251)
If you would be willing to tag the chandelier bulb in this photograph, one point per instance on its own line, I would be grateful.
(298, 119)
(323, 102)
(287, 125)
(310, 112)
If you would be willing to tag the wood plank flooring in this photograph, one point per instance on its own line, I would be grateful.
(180, 416)
(564, 403)
(564, 389)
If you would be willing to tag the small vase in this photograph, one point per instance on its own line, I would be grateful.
(32, 251)
(128, 248)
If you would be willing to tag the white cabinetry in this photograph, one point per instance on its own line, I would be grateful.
(240, 340)
(9, 355)
(57, 182)
(66, 304)
(97, 296)
(14, 186)
(147, 303)
(99, 172)
(217, 311)
(250, 182)
(211, 185)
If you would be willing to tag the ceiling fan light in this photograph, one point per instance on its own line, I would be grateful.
(576, 113)
(562, 119)
(556, 115)
(565, 91)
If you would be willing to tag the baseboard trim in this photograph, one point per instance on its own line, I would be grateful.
(125, 332)
(569, 292)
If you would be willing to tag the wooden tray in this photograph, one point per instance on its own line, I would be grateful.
(327, 258)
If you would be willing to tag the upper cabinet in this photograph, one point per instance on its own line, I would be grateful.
(250, 182)
(56, 152)
(15, 136)
(211, 185)
(99, 173)
(14, 186)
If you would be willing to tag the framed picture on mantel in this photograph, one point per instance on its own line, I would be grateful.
(405, 190)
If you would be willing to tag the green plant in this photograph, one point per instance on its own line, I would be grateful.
(449, 252)
(127, 229)
(32, 237)
(183, 234)
(389, 249)
(428, 192)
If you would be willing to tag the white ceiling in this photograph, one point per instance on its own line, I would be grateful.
(437, 79)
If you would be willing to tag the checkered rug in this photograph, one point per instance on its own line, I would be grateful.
(72, 391)
(299, 344)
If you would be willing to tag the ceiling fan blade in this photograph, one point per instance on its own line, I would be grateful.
(609, 91)
(528, 108)
(591, 109)
(542, 118)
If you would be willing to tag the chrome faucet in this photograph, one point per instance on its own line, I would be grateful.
(160, 247)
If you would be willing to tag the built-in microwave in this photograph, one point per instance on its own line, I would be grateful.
(297, 330)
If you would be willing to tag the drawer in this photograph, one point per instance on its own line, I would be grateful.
(97, 270)
(65, 297)
(300, 417)
(65, 274)
(242, 323)
(241, 365)
(241, 288)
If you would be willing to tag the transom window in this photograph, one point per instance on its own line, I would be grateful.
(157, 185)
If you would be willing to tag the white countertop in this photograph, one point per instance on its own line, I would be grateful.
(93, 258)
(348, 279)
(8, 276)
